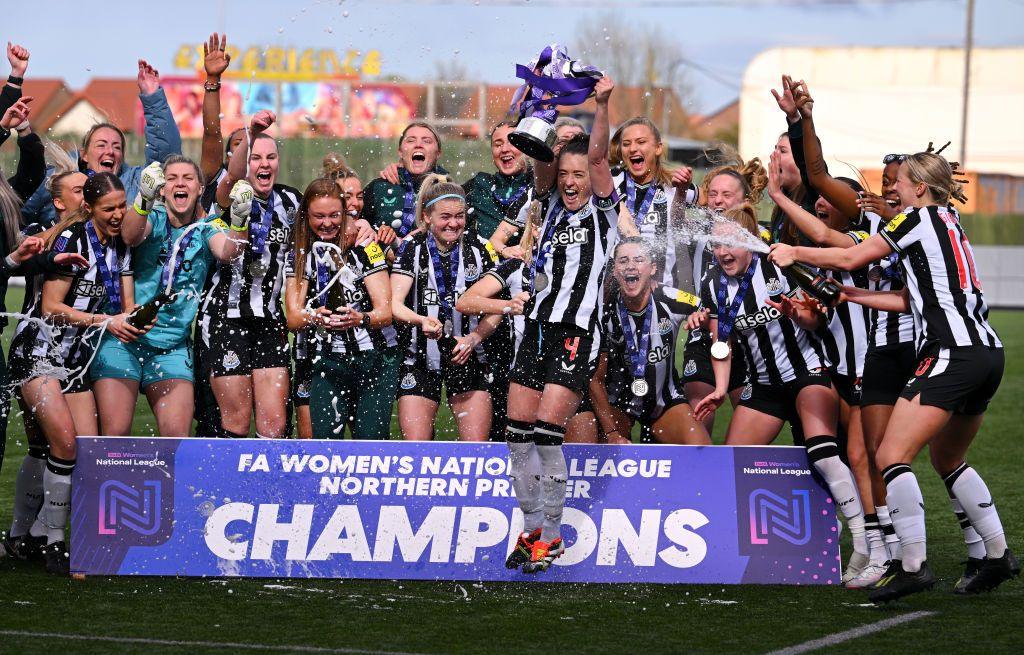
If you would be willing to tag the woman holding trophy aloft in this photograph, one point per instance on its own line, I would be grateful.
(553, 365)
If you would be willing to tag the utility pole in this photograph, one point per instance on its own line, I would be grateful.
(968, 47)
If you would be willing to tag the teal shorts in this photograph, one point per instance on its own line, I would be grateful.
(142, 363)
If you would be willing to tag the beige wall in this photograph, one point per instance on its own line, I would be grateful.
(874, 101)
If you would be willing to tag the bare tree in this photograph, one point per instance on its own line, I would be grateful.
(638, 55)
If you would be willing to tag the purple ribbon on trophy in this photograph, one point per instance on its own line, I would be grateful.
(550, 80)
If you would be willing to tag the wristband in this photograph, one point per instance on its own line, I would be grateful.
(240, 228)
(211, 87)
(139, 210)
(14, 79)
(9, 261)
(24, 127)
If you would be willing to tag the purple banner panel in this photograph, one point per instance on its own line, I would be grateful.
(444, 511)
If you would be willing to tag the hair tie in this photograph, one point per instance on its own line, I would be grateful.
(444, 197)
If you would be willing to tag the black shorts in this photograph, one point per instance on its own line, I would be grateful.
(849, 387)
(697, 362)
(239, 346)
(962, 380)
(554, 353)
(302, 381)
(886, 371)
(418, 381)
(21, 368)
(780, 400)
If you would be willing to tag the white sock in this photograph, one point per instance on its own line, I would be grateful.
(906, 507)
(976, 500)
(554, 473)
(877, 552)
(28, 493)
(975, 546)
(57, 497)
(892, 542)
(525, 471)
(823, 453)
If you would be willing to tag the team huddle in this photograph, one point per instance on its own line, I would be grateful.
(548, 302)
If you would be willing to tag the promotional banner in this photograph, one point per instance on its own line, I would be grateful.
(444, 511)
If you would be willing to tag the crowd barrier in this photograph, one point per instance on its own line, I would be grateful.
(444, 511)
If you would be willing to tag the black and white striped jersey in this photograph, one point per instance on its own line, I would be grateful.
(845, 338)
(87, 294)
(250, 286)
(360, 262)
(650, 209)
(775, 348)
(669, 309)
(578, 247)
(209, 196)
(476, 257)
(938, 265)
(886, 328)
(510, 274)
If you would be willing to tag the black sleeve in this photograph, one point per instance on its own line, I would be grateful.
(31, 166)
(8, 96)
(796, 145)
(41, 264)
(370, 208)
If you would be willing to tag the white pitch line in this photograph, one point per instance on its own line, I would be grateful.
(853, 633)
(201, 644)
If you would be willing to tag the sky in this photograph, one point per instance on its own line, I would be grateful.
(76, 41)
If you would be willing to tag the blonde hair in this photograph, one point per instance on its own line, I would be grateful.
(662, 174)
(751, 175)
(745, 216)
(434, 186)
(302, 235)
(336, 167)
(932, 170)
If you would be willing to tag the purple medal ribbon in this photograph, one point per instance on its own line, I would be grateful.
(726, 320)
(260, 230)
(645, 206)
(408, 202)
(446, 304)
(111, 282)
(637, 346)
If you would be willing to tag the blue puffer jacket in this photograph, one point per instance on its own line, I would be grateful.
(162, 140)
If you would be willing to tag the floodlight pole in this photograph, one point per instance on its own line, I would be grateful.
(968, 47)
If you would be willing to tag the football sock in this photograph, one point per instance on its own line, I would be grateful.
(976, 500)
(28, 491)
(554, 473)
(876, 543)
(56, 498)
(525, 470)
(975, 546)
(892, 542)
(823, 453)
(906, 507)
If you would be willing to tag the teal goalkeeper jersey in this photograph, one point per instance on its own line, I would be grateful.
(174, 322)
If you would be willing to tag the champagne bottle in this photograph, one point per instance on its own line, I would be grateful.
(818, 286)
(335, 297)
(144, 314)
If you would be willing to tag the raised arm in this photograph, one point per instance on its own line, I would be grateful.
(835, 191)
(811, 226)
(18, 58)
(215, 61)
(162, 136)
(31, 157)
(600, 173)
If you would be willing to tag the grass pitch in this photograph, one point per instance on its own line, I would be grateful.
(164, 615)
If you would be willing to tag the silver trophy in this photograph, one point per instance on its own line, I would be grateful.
(549, 80)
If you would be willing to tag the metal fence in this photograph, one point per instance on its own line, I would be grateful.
(1002, 275)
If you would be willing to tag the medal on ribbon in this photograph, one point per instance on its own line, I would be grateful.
(727, 315)
(637, 347)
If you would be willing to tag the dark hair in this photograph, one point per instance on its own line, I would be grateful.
(94, 188)
(227, 141)
(853, 184)
(577, 145)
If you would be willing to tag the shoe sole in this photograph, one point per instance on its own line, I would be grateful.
(894, 597)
